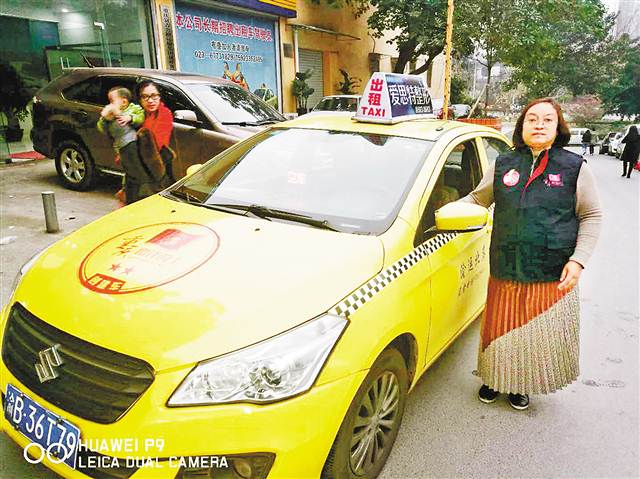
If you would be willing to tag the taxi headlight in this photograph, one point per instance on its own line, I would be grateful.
(272, 370)
(23, 270)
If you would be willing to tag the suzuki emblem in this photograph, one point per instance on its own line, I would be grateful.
(49, 360)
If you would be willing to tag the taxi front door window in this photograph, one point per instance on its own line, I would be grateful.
(459, 176)
(494, 148)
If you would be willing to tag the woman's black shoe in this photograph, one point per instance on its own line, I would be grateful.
(519, 401)
(487, 395)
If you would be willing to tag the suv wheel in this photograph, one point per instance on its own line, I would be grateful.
(371, 424)
(74, 166)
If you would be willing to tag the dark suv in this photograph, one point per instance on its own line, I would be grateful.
(210, 115)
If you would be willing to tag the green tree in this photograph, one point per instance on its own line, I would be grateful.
(547, 43)
(459, 89)
(418, 26)
(302, 90)
(567, 45)
(348, 84)
(493, 27)
(622, 93)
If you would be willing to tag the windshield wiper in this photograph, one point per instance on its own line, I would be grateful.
(269, 121)
(183, 194)
(233, 208)
(252, 123)
(240, 123)
(268, 213)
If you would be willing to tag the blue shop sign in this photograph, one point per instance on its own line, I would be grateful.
(237, 47)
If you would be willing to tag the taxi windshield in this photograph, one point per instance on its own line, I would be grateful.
(352, 182)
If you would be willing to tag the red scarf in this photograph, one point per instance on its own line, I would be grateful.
(538, 171)
(160, 123)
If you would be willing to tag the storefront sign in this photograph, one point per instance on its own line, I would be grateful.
(167, 29)
(390, 97)
(237, 47)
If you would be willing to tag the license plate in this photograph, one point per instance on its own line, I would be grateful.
(57, 436)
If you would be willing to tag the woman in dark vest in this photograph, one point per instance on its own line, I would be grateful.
(546, 222)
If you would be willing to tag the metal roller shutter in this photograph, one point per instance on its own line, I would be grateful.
(312, 59)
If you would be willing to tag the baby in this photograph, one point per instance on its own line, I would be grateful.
(119, 119)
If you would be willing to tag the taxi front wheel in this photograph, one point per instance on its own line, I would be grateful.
(371, 424)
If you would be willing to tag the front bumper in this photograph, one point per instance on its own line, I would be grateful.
(299, 431)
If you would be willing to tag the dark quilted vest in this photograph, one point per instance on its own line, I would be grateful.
(535, 230)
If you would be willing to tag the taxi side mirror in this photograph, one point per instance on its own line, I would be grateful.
(460, 217)
(193, 168)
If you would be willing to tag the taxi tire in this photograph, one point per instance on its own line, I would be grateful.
(338, 463)
(68, 149)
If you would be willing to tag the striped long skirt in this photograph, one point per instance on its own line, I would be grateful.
(529, 337)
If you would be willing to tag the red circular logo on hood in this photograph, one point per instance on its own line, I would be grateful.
(147, 257)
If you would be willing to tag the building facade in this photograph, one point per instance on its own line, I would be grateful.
(259, 44)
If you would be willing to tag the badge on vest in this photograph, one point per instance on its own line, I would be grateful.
(511, 177)
(553, 180)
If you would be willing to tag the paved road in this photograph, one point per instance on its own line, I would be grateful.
(588, 430)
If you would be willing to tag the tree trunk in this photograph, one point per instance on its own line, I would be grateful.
(432, 55)
(405, 53)
(486, 94)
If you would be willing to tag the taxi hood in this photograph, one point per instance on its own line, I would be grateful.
(174, 284)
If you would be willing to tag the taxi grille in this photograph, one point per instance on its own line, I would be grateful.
(94, 383)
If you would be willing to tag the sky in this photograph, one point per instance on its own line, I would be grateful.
(612, 5)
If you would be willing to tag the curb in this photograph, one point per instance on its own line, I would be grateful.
(5, 162)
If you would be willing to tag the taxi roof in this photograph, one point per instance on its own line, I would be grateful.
(420, 128)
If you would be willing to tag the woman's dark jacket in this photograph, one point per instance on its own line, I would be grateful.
(631, 150)
(534, 229)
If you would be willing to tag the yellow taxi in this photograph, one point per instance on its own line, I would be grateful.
(267, 315)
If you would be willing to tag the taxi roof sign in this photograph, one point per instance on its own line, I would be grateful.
(392, 97)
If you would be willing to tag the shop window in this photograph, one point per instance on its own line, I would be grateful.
(41, 40)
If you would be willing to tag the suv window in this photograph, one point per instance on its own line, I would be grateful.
(108, 82)
(460, 174)
(174, 99)
(87, 91)
(230, 104)
(494, 148)
(95, 90)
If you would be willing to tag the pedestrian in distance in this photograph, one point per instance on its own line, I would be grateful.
(546, 222)
(631, 151)
(586, 141)
(155, 137)
(119, 119)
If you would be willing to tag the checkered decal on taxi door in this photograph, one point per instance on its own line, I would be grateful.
(358, 298)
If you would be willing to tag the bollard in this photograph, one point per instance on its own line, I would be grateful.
(50, 214)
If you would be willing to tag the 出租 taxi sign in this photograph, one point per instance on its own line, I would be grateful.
(391, 97)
